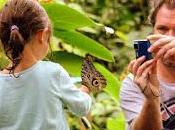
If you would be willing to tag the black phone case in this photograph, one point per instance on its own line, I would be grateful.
(141, 49)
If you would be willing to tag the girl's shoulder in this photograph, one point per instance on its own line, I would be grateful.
(54, 70)
(52, 66)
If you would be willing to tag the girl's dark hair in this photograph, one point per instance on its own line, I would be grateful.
(20, 21)
(156, 5)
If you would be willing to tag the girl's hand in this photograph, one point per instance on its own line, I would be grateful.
(84, 89)
(145, 76)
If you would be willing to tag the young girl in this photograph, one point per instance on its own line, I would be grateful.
(33, 92)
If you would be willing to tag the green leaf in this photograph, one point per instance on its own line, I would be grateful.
(64, 17)
(113, 84)
(117, 123)
(122, 36)
(84, 43)
(72, 63)
(4, 60)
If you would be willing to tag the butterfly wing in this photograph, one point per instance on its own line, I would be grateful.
(92, 78)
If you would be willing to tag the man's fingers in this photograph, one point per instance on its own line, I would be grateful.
(138, 62)
(130, 66)
(155, 37)
(143, 67)
(146, 72)
(165, 49)
(154, 68)
(141, 81)
(159, 43)
(169, 53)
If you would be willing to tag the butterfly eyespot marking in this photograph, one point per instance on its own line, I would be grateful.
(95, 83)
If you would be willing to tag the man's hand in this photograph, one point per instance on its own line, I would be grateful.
(145, 76)
(163, 46)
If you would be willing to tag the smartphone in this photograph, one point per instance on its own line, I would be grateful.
(141, 48)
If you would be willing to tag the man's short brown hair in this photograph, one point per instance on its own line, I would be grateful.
(156, 5)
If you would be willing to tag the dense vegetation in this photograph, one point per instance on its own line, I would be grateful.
(104, 29)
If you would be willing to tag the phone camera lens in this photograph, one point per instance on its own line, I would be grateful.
(136, 46)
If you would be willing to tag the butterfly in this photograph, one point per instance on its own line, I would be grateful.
(92, 78)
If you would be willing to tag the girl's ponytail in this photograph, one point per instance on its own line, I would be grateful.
(16, 46)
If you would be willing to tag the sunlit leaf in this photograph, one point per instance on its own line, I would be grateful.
(84, 43)
(116, 124)
(64, 17)
(122, 36)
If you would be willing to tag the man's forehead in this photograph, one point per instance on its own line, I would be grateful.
(166, 15)
(165, 11)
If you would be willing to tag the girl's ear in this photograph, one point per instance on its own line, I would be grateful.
(41, 35)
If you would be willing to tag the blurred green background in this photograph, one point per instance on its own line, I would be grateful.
(105, 29)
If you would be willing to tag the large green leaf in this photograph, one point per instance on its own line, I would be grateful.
(64, 17)
(84, 43)
(113, 84)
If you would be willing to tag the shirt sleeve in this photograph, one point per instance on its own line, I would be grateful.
(131, 99)
(77, 101)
